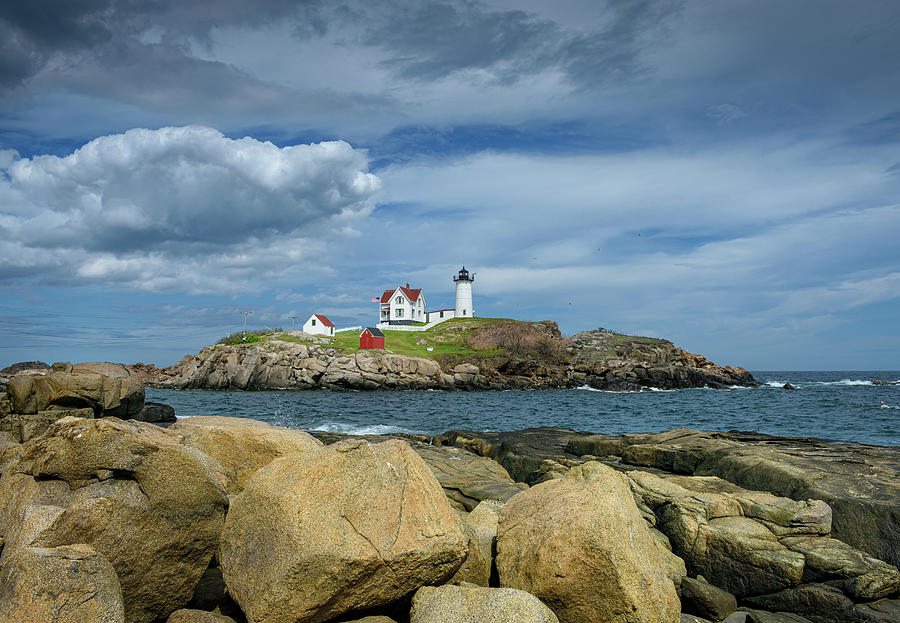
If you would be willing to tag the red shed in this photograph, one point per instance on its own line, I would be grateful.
(371, 338)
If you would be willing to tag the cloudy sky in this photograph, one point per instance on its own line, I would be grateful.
(722, 174)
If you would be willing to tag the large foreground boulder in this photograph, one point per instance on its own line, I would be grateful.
(579, 544)
(476, 604)
(110, 389)
(151, 506)
(860, 483)
(753, 542)
(95, 389)
(66, 584)
(350, 526)
(241, 445)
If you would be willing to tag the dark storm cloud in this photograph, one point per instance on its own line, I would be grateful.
(171, 80)
(432, 40)
(145, 60)
(420, 40)
(20, 58)
(168, 79)
(38, 32)
(33, 32)
(612, 52)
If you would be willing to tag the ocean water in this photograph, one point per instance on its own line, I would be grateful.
(843, 406)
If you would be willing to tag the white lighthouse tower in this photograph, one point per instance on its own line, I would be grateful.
(464, 281)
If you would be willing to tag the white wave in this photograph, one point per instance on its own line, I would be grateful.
(887, 406)
(355, 429)
(588, 388)
(842, 382)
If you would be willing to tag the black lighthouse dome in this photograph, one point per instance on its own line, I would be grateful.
(464, 275)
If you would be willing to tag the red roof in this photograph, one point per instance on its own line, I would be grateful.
(324, 320)
(411, 294)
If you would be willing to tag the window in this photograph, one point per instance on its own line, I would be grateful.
(399, 300)
(442, 314)
(313, 322)
(399, 313)
(464, 312)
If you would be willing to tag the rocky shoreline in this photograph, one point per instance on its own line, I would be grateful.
(597, 359)
(218, 519)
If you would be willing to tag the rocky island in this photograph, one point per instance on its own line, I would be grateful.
(215, 519)
(466, 354)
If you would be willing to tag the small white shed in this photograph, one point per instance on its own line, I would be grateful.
(318, 325)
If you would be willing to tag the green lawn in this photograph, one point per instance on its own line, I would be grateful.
(448, 342)
(447, 339)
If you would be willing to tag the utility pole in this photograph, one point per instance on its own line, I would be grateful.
(246, 313)
(292, 321)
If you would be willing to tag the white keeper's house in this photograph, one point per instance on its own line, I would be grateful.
(403, 305)
(318, 325)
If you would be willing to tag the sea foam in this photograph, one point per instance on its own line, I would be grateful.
(352, 429)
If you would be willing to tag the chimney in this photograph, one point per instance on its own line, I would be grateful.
(407, 285)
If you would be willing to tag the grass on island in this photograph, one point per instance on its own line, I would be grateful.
(447, 340)
(471, 340)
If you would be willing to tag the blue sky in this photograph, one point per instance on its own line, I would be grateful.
(722, 174)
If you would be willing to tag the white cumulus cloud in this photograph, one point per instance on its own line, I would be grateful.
(138, 207)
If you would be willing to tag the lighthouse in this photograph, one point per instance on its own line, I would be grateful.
(463, 282)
